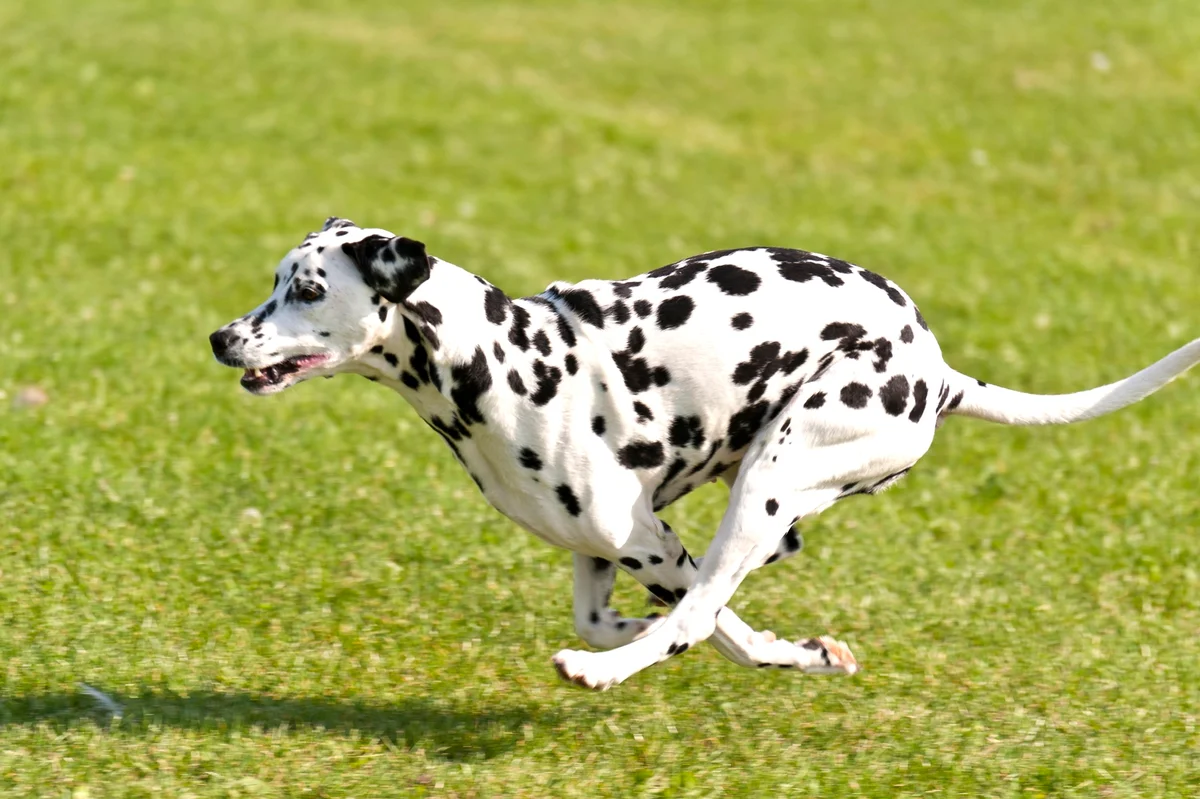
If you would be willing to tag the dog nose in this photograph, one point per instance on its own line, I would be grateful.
(221, 341)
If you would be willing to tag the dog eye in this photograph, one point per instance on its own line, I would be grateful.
(310, 294)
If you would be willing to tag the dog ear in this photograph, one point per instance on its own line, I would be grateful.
(334, 221)
(394, 267)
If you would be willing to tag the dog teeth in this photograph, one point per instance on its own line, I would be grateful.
(257, 372)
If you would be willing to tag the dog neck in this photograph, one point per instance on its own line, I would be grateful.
(456, 347)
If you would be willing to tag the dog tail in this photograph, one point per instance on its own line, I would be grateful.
(970, 397)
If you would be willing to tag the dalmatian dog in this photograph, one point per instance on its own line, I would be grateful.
(796, 378)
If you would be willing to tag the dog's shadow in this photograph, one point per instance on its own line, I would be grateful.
(445, 730)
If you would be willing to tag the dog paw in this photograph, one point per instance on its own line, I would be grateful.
(831, 656)
(573, 666)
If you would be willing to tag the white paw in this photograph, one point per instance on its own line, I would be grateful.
(832, 656)
(581, 668)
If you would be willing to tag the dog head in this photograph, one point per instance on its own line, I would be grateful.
(330, 304)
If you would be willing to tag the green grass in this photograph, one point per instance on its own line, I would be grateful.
(1026, 604)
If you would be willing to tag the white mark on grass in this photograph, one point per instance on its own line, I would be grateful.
(1100, 62)
(104, 700)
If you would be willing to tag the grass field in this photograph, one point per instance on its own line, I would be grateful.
(306, 596)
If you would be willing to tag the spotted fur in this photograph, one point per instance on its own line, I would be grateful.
(796, 378)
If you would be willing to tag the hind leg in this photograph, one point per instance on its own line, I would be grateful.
(657, 559)
(595, 622)
(783, 477)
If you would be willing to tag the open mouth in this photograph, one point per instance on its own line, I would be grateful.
(277, 374)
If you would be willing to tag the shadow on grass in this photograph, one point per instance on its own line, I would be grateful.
(443, 730)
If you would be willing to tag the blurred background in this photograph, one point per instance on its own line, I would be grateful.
(307, 594)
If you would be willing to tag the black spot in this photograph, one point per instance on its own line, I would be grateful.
(943, 395)
(419, 362)
(791, 540)
(920, 395)
(906, 334)
(567, 497)
(565, 331)
(822, 365)
(320, 271)
(636, 371)
(842, 330)
(981, 383)
(594, 618)
(325, 334)
(643, 412)
(741, 321)
(516, 334)
(756, 391)
(677, 466)
(802, 272)
(680, 593)
(619, 312)
(641, 454)
(682, 276)
(954, 403)
(762, 363)
(631, 563)
(734, 280)
(643, 308)
(786, 397)
(637, 340)
(548, 378)
(429, 314)
(883, 351)
(571, 364)
(498, 351)
(516, 383)
(530, 459)
(434, 376)
(744, 425)
(685, 431)
(655, 560)
(882, 283)
(677, 649)
(772, 507)
(391, 359)
(471, 381)
(598, 425)
(792, 361)
(894, 395)
(682, 557)
(600, 564)
(495, 306)
(855, 395)
(665, 594)
(410, 381)
(920, 319)
(542, 342)
(584, 305)
(623, 290)
(378, 348)
(675, 311)
(661, 376)
(410, 331)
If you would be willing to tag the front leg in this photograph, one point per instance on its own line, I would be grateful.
(595, 622)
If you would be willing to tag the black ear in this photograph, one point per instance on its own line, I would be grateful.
(393, 267)
(334, 221)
